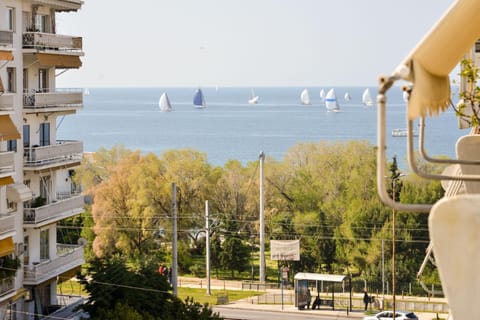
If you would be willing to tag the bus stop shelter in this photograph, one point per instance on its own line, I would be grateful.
(302, 280)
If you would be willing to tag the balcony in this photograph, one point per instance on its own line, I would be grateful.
(7, 285)
(6, 102)
(6, 38)
(52, 41)
(7, 223)
(63, 154)
(68, 257)
(53, 212)
(53, 100)
(60, 5)
(6, 163)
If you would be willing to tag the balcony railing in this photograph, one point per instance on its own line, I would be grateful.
(6, 102)
(7, 223)
(6, 38)
(64, 151)
(68, 257)
(54, 211)
(48, 98)
(7, 285)
(52, 41)
(6, 162)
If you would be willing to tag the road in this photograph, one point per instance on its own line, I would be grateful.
(243, 314)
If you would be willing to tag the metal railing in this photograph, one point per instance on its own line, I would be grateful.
(6, 162)
(44, 41)
(64, 261)
(62, 151)
(54, 211)
(42, 98)
(6, 38)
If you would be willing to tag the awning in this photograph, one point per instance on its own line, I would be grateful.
(59, 60)
(8, 131)
(6, 246)
(320, 277)
(430, 63)
(6, 180)
(6, 55)
(19, 192)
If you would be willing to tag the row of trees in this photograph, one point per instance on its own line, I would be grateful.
(321, 193)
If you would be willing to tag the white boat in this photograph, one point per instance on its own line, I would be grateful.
(199, 100)
(405, 96)
(331, 102)
(86, 92)
(164, 103)
(253, 98)
(347, 96)
(305, 97)
(322, 95)
(402, 132)
(367, 98)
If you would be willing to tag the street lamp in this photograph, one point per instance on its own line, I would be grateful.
(394, 180)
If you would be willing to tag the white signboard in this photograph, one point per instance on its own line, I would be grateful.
(285, 250)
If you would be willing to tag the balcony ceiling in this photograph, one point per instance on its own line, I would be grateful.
(61, 5)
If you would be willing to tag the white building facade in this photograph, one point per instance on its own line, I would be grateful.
(36, 169)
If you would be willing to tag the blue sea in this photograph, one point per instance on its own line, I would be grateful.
(230, 128)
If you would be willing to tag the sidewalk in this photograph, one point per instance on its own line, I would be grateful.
(247, 303)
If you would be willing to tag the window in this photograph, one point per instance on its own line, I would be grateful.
(45, 186)
(11, 80)
(26, 136)
(10, 19)
(45, 134)
(25, 80)
(12, 145)
(26, 253)
(41, 23)
(43, 80)
(44, 250)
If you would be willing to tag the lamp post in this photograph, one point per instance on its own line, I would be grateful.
(262, 227)
(394, 179)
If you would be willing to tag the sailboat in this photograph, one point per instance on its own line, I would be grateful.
(347, 96)
(367, 98)
(331, 102)
(253, 98)
(164, 103)
(322, 95)
(305, 97)
(86, 92)
(199, 100)
(405, 96)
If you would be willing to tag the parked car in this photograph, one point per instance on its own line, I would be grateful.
(387, 315)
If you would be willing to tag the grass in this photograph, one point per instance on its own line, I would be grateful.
(74, 288)
(199, 295)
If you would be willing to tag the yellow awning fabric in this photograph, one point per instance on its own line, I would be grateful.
(6, 180)
(6, 55)
(19, 192)
(59, 60)
(430, 63)
(6, 246)
(8, 131)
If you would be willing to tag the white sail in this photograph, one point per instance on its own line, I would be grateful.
(322, 95)
(164, 103)
(253, 98)
(331, 102)
(305, 97)
(347, 96)
(367, 98)
(405, 96)
(199, 100)
(86, 92)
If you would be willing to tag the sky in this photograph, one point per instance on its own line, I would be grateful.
(171, 43)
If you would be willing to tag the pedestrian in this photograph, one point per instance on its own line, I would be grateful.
(366, 299)
(316, 303)
(309, 298)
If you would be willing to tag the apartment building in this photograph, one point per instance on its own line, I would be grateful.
(36, 169)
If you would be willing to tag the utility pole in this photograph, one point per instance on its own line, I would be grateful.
(174, 241)
(262, 218)
(207, 246)
(383, 269)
